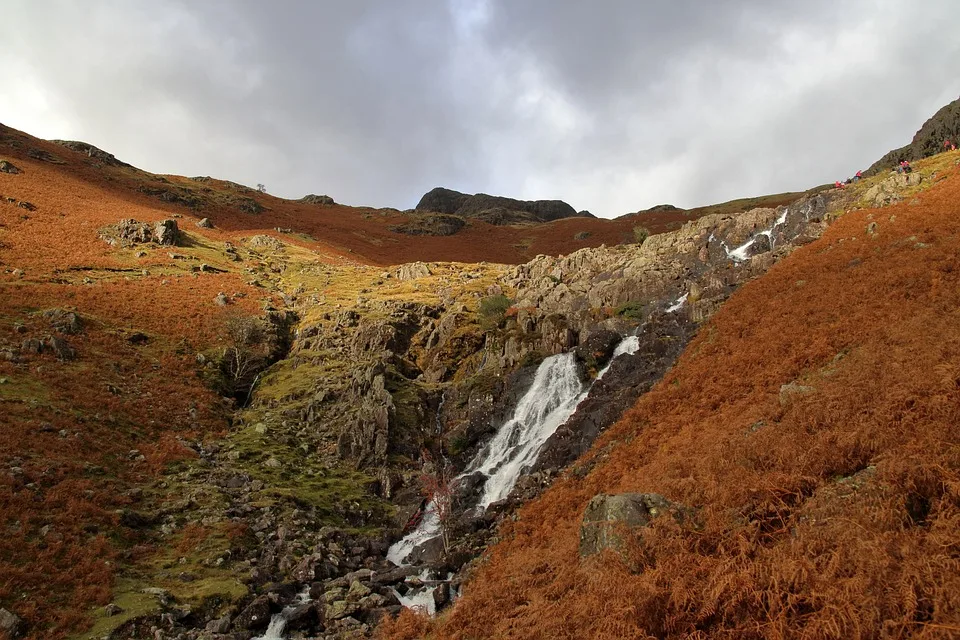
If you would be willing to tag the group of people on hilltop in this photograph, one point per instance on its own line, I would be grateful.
(902, 167)
(855, 178)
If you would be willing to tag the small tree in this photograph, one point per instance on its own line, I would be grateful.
(245, 354)
(493, 310)
(640, 234)
(437, 487)
(262, 188)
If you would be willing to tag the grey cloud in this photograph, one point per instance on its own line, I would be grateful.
(613, 105)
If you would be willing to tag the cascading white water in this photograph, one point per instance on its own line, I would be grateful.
(551, 400)
(279, 620)
(740, 253)
(553, 397)
(428, 529)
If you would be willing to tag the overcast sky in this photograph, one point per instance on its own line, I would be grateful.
(611, 105)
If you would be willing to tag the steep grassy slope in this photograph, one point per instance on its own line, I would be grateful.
(831, 512)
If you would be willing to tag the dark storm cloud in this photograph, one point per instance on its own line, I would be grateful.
(612, 105)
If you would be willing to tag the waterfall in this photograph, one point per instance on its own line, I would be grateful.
(279, 620)
(740, 253)
(549, 402)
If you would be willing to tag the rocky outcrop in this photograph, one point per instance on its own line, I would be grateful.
(315, 199)
(130, 232)
(705, 261)
(366, 440)
(890, 191)
(927, 141)
(610, 519)
(442, 200)
(91, 151)
(430, 225)
(8, 167)
(67, 322)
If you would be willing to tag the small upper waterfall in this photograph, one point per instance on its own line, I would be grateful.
(549, 402)
(742, 252)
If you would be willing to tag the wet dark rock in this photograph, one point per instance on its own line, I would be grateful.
(305, 616)
(392, 576)
(598, 347)
(255, 616)
(441, 595)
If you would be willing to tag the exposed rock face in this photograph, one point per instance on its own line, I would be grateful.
(608, 518)
(697, 258)
(944, 125)
(315, 199)
(366, 441)
(431, 225)
(442, 200)
(661, 341)
(91, 152)
(129, 232)
(8, 167)
(889, 191)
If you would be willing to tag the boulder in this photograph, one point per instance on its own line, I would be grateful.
(8, 167)
(60, 348)
(204, 223)
(128, 232)
(608, 517)
(67, 322)
(255, 616)
(10, 624)
(165, 232)
(412, 271)
(315, 199)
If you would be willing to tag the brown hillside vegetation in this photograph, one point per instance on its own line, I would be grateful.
(80, 193)
(833, 513)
